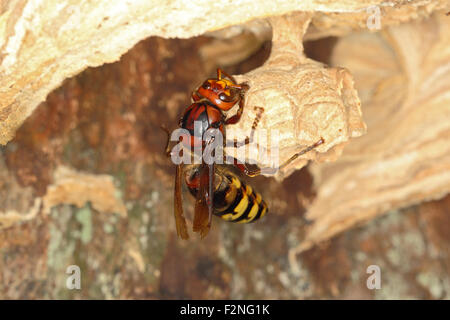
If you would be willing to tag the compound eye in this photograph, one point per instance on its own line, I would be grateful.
(224, 97)
(206, 85)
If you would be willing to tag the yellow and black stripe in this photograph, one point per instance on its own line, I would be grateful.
(245, 205)
(234, 200)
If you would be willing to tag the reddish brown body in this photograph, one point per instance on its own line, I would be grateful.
(233, 202)
(210, 101)
(222, 92)
(208, 115)
(213, 97)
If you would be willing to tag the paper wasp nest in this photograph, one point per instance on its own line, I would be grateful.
(303, 101)
(40, 45)
(401, 76)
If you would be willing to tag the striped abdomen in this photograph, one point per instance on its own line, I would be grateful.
(234, 200)
(244, 204)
